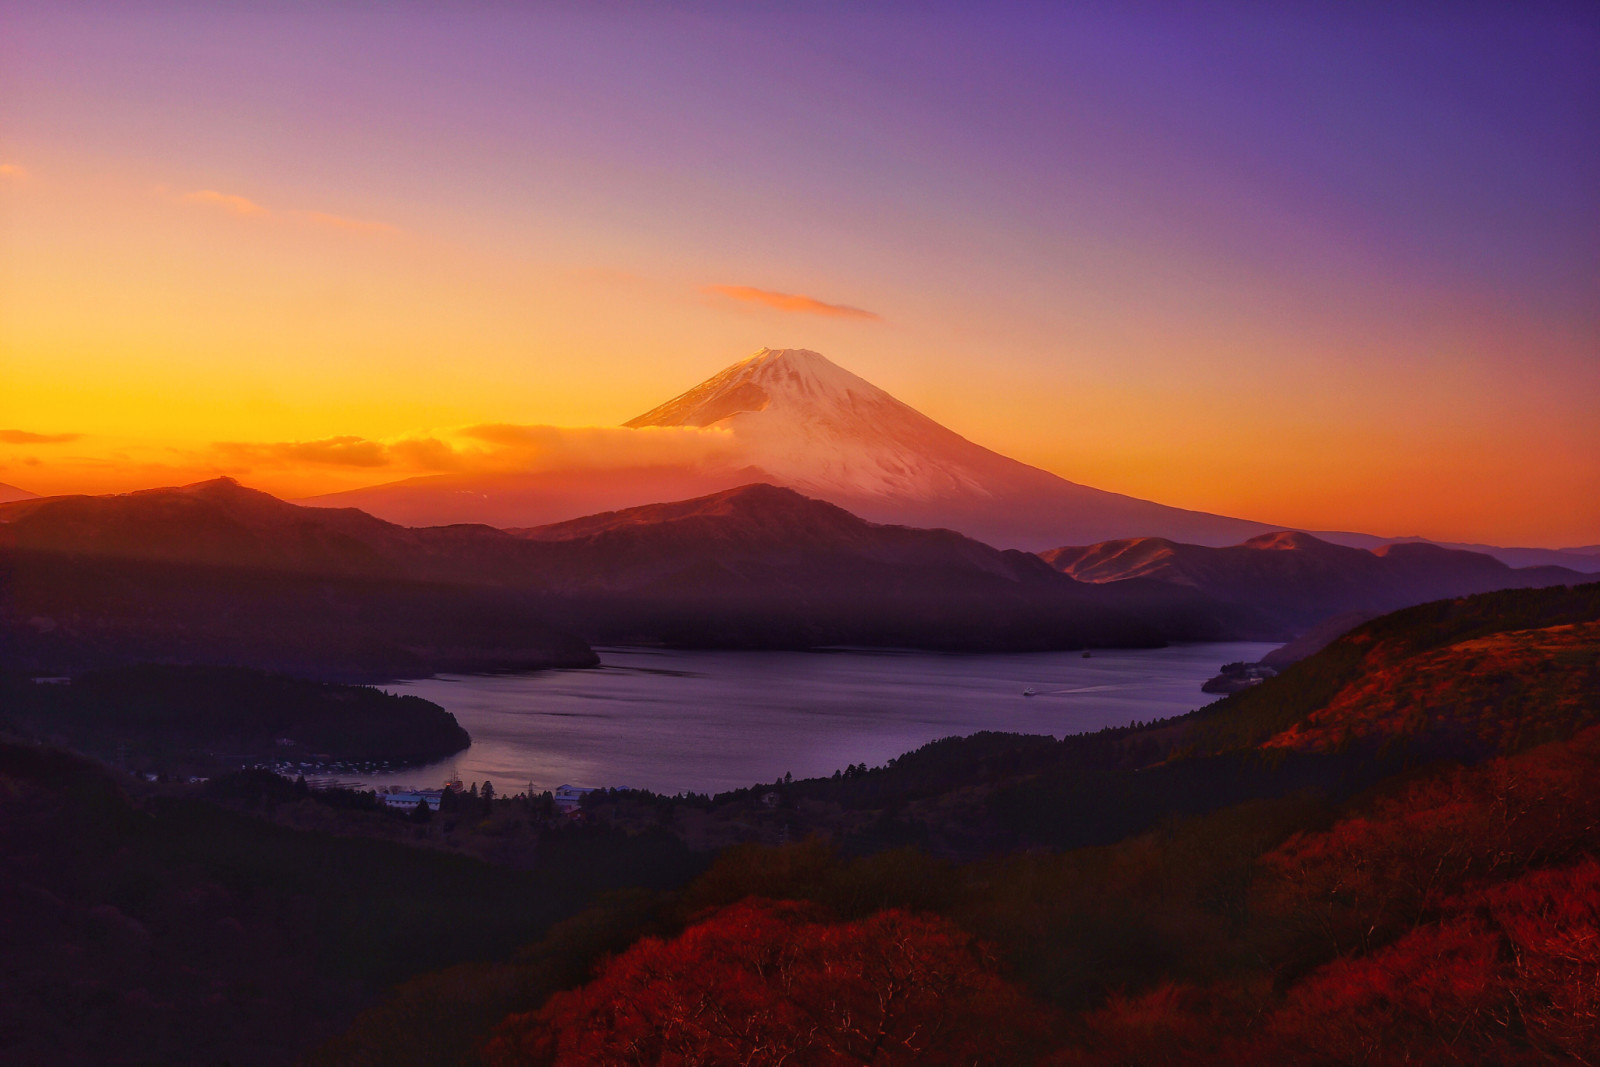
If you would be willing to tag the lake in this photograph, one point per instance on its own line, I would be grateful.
(673, 721)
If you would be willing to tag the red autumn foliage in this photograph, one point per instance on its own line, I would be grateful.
(1510, 975)
(1492, 693)
(1374, 876)
(765, 983)
(1454, 921)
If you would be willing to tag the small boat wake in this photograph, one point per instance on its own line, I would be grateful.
(1031, 692)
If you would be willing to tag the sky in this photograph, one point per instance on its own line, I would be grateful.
(1330, 266)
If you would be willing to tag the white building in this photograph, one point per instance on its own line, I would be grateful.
(411, 798)
(568, 797)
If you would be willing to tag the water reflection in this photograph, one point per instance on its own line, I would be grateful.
(708, 721)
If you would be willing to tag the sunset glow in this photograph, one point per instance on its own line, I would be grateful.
(1338, 272)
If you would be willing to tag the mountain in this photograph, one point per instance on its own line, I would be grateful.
(763, 565)
(1294, 580)
(217, 572)
(1583, 560)
(8, 493)
(801, 421)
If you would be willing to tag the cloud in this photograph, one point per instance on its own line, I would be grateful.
(238, 205)
(494, 448)
(11, 170)
(535, 448)
(793, 302)
(343, 451)
(23, 437)
(339, 222)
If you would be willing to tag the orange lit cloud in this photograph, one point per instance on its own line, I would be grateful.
(531, 448)
(793, 302)
(237, 205)
(23, 437)
(339, 222)
(11, 170)
(496, 447)
(346, 450)
(243, 205)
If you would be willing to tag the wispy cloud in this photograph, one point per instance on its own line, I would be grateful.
(345, 450)
(495, 447)
(519, 447)
(244, 206)
(12, 170)
(238, 205)
(23, 437)
(340, 222)
(793, 302)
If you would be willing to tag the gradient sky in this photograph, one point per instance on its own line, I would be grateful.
(1331, 266)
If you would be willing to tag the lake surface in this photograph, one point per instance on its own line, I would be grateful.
(672, 721)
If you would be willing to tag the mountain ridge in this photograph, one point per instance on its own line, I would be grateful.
(1298, 579)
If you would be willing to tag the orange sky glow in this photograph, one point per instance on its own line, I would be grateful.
(315, 289)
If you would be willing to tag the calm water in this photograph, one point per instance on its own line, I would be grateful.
(708, 721)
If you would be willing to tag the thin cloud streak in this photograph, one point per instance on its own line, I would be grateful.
(490, 448)
(23, 437)
(244, 206)
(345, 450)
(791, 302)
(238, 205)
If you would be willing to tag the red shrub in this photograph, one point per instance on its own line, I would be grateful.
(768, 983)
(1511, 974)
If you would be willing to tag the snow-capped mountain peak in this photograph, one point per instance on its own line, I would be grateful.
(786, 376)
(812, 424)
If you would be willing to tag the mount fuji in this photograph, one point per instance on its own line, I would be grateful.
(803, 421)
(798, 420)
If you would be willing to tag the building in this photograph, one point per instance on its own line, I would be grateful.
(568, 797)
(410, 798)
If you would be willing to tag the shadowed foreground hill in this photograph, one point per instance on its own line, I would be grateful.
(157, 927)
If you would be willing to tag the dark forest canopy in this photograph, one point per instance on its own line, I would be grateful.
(209, 717)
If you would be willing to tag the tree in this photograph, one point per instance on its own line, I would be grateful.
(487, 792)
(422, 812)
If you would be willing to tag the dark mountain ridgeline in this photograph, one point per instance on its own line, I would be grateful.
(1292, 581)
(8, 493)
(219, 573)
(763, 566)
